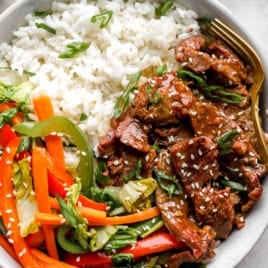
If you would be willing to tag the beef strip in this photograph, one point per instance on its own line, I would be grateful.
(215, 208)
(174, 99)
(189, 53)
(195, 161)
(174, 212)
(131, 133)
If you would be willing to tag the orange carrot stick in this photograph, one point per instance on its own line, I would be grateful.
(55, 219)
(7, 247)
(131, 218)
(88, 213)
(49, 218)
(44, 109)
(39, 169)
(50, 262)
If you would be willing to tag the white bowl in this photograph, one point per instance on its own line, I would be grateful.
(235, 248)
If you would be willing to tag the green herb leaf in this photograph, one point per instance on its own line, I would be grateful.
(83, 117)
(234, 185)
(67, 212)
(123, 100)
(153, 95)
(136, 173)
(226, 141)
(188, 75)
(161, 70)
(45, 27)
(163, 8)
(6, 116)
(42, 13)
(75, 48)
(122, 238)
(122, 260)
(25, 144)
(100, 170)
(103, 18)
(156, 147)
(168, 183)
(218, 93)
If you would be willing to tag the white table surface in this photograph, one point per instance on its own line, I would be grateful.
(253, 15)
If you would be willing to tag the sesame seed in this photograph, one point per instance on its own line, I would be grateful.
(197, 185)
(116, 162)
(8, 150)
(241, 219)
(8, 195)
(196, 167)
(184, 165)
(77, 259)
(226, 194)
(193, 186)
(207, 199)
(9, 233)
(190, 142)
(221, 196)
(11, 241)
(214, 210)
(11, 219)
(22, 252)
(200, 152)
(8, 162)
(178, 154)
(202, 207)
(192, 157)
(9, 211)
(168, 161)
(205, 167)
(83, 153)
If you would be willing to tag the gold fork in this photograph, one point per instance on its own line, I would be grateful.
(249, 55)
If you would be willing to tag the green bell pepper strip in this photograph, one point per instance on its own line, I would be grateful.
(61, 124)
(66, 244)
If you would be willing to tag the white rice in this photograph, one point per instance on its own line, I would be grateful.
(90, 83)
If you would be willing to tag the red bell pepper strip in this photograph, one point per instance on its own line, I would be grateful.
(155, 243)
(158, 242)
(6, 135)
(91, 259)
(57, 187)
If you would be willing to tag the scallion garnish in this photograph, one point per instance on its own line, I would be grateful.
(163, 8)
(226, 141)
(188, 75)
(153, 95)
(233, 185)
(42, 13)
(45, 27)
(103, 18)
(136, 173)
(74, 49)
(122, 102)
(168, 183)
(161, 70)
(83, 117)
(218, 93)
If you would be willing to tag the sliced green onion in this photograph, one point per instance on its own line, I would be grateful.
(83, 117)
(161, 70)
(153, 95)
(122, 260)
(188, 75)
(234, 185)
(42, 13)
(123, 100)
(99, 174)
(45, 27)
(103, 18)
(136, 173)
(163, 8)
(226, 141)
(156, 147)
(218, 93)
(74, 49)
(168, 183)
